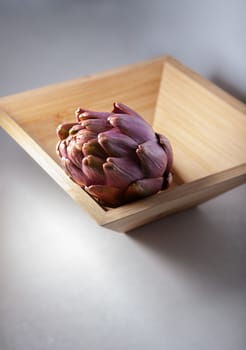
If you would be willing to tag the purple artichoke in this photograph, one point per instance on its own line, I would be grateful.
(116, 157)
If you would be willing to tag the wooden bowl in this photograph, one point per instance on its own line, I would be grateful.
(206, 127)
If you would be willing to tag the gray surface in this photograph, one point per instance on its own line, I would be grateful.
(66, 283)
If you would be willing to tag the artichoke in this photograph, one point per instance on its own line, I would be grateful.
(114, 156)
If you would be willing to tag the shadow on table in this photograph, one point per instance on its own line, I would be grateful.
(207, 248)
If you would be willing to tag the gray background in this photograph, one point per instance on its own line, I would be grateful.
(65, 283)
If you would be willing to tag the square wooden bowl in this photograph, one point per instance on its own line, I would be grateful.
(206, 127)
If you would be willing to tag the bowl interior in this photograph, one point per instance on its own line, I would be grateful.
(207, 132)
(40, 111)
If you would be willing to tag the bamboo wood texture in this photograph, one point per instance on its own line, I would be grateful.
(206, 126)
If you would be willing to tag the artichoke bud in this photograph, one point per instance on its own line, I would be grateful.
(115, 156)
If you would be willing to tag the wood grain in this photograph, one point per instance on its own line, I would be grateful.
(39, 111)
(174, 200)
(205, 125)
